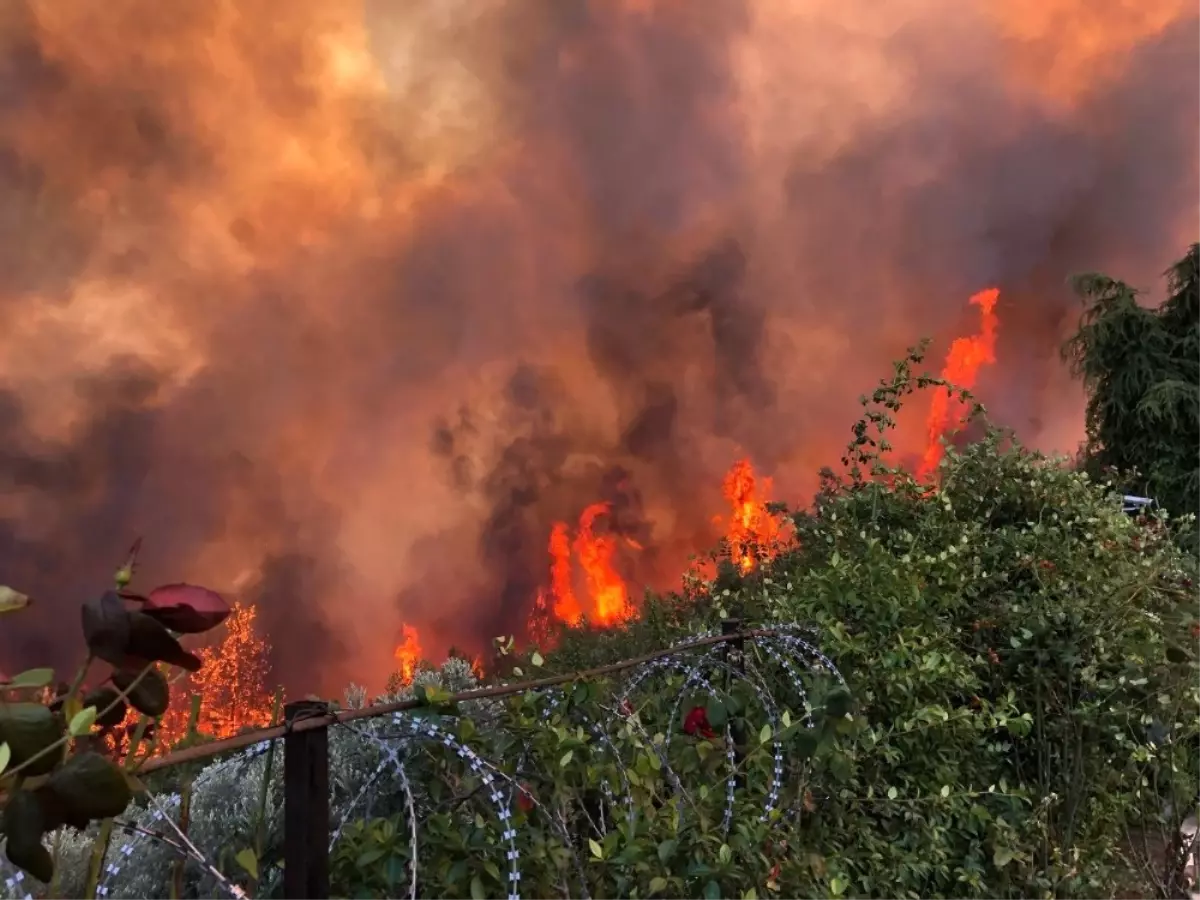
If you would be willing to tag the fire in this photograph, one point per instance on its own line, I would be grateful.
(232, 686)
(753, 532)
(966, 356)
(566, 606)
(596, 552)
(408, 653)
(604, 598)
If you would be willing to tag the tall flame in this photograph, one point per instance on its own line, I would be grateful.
(408, 653)
(753, 532)
(597, 552)
(967, 355)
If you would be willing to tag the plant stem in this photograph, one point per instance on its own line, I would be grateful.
(185, 804)
(260, 825)
(101, 844)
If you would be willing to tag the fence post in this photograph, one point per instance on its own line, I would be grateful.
(305, 805)
(735, 659)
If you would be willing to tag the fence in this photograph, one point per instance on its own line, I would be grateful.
(307, 825)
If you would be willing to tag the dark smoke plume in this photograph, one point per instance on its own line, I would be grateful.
(342, 303)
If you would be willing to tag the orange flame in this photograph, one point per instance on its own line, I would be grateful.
(753, 532)
(408, 653)
(566, 605)
(967, 355)
(232, 685)
(610, 597)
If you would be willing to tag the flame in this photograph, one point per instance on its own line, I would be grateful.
(566, 605)
(966, 356)
(408, 653)
(609, 596)
(753, 533)
(232, 685)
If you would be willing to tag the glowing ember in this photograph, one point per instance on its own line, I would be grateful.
(966, 356)
(408, 654)
(753, 532)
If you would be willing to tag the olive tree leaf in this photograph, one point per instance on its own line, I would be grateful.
(5, 756)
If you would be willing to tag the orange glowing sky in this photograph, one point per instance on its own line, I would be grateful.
(269, 246)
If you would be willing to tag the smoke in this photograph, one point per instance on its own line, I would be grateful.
(341, 303)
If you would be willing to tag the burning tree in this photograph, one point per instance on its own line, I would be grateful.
(233, 683)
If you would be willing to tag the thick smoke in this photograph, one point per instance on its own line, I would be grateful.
(341, 303)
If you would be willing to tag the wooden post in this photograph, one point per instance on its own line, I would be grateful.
(305, 805)
(735, 659)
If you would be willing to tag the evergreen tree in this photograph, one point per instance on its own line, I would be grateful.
(1141, 368)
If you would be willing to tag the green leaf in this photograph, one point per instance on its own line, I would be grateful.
(1002, 857)
(945, 790)
(32, 678)
(106, 698)
(89, 786)
(787, 723)
(658, 883)
(477, 891)
(566, 758)
(518, 672)
(712, 891)
(892, 793)
(764, 734)
(837, 886)
(29, 728)
(597, 850)
(666, 850)
(750, 894)
(717, 714)
(536, 659)
(248, 861)
(12, 600)
(725, 854)
(82, 721)
(5, 756)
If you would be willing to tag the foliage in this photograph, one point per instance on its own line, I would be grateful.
(1141, 367)
(52, 739)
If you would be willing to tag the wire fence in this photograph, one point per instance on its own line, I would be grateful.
(392, 731)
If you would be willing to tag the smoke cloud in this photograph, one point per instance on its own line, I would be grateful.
(341, 303)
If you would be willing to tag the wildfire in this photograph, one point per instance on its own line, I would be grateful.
(408, 653)
(753, 532)
(966, 356)
(604, 597)
(232, 686)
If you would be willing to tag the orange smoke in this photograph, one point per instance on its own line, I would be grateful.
(966, 356)
(408, 654)
(753, 533)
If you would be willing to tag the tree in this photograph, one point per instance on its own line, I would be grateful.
(1141, 368)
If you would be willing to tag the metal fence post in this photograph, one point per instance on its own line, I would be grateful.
(305, 805)
(735, 659)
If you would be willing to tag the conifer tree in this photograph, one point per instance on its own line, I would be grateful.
(1141, 367)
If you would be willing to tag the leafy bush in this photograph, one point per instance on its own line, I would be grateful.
(55, 768)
